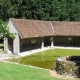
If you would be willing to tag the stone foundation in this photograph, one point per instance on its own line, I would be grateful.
(69, 65)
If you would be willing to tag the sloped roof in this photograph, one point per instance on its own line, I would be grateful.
(44, 28)
(33, 28)
(37, 28)
(66, 28)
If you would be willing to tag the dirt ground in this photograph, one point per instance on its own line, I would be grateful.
(65, 77)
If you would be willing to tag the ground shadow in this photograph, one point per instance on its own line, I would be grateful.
(1, 46)
(67, 45)
(76, 60)
(23, 49)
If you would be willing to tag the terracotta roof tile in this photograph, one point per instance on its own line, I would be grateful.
(26, 27)
(66, 28)
(44, 28)
(33, 28)
(37, 28)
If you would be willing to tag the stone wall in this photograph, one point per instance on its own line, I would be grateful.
(66, 67)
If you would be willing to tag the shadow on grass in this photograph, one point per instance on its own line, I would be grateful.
(1, 47)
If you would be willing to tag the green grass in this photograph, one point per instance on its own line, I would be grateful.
(9, 71)
(46, 59)
(1, 47)
(1, 44)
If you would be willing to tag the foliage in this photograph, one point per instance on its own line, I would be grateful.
(10, 71)
(70, 39)
(33, 41)
(4, 31)
(63, 10)
(1, 47)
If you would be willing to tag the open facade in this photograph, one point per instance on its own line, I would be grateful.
(30, 34)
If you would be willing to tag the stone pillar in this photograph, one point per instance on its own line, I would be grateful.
(16, 44)
(5, 44)
(42, 45)
(52, 43)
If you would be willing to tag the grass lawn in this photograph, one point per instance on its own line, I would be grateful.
(46, 59)
(9, 71)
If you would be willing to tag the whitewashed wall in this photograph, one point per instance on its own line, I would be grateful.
(11, 27)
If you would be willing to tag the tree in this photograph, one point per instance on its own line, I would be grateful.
(58, 10)
(4, 31)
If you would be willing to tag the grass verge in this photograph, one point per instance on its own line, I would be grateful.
(10, 71)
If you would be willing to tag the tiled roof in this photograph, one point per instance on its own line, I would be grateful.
(66, 28)
(33, 28)
(37, 28)
(25, 27)
(44, 28)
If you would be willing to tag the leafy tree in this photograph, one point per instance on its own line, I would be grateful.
(58, 10)
(4, 31)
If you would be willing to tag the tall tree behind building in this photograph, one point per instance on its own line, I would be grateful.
(59, 10)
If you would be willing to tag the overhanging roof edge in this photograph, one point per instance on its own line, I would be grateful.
(16, 28)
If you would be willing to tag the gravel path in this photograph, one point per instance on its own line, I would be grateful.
(7, 56)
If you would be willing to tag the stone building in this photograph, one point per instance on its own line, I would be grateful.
(39, 33)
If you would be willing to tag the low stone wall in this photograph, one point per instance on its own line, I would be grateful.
(68, 66)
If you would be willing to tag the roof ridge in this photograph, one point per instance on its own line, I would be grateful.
(52, 27)
(44, 20)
